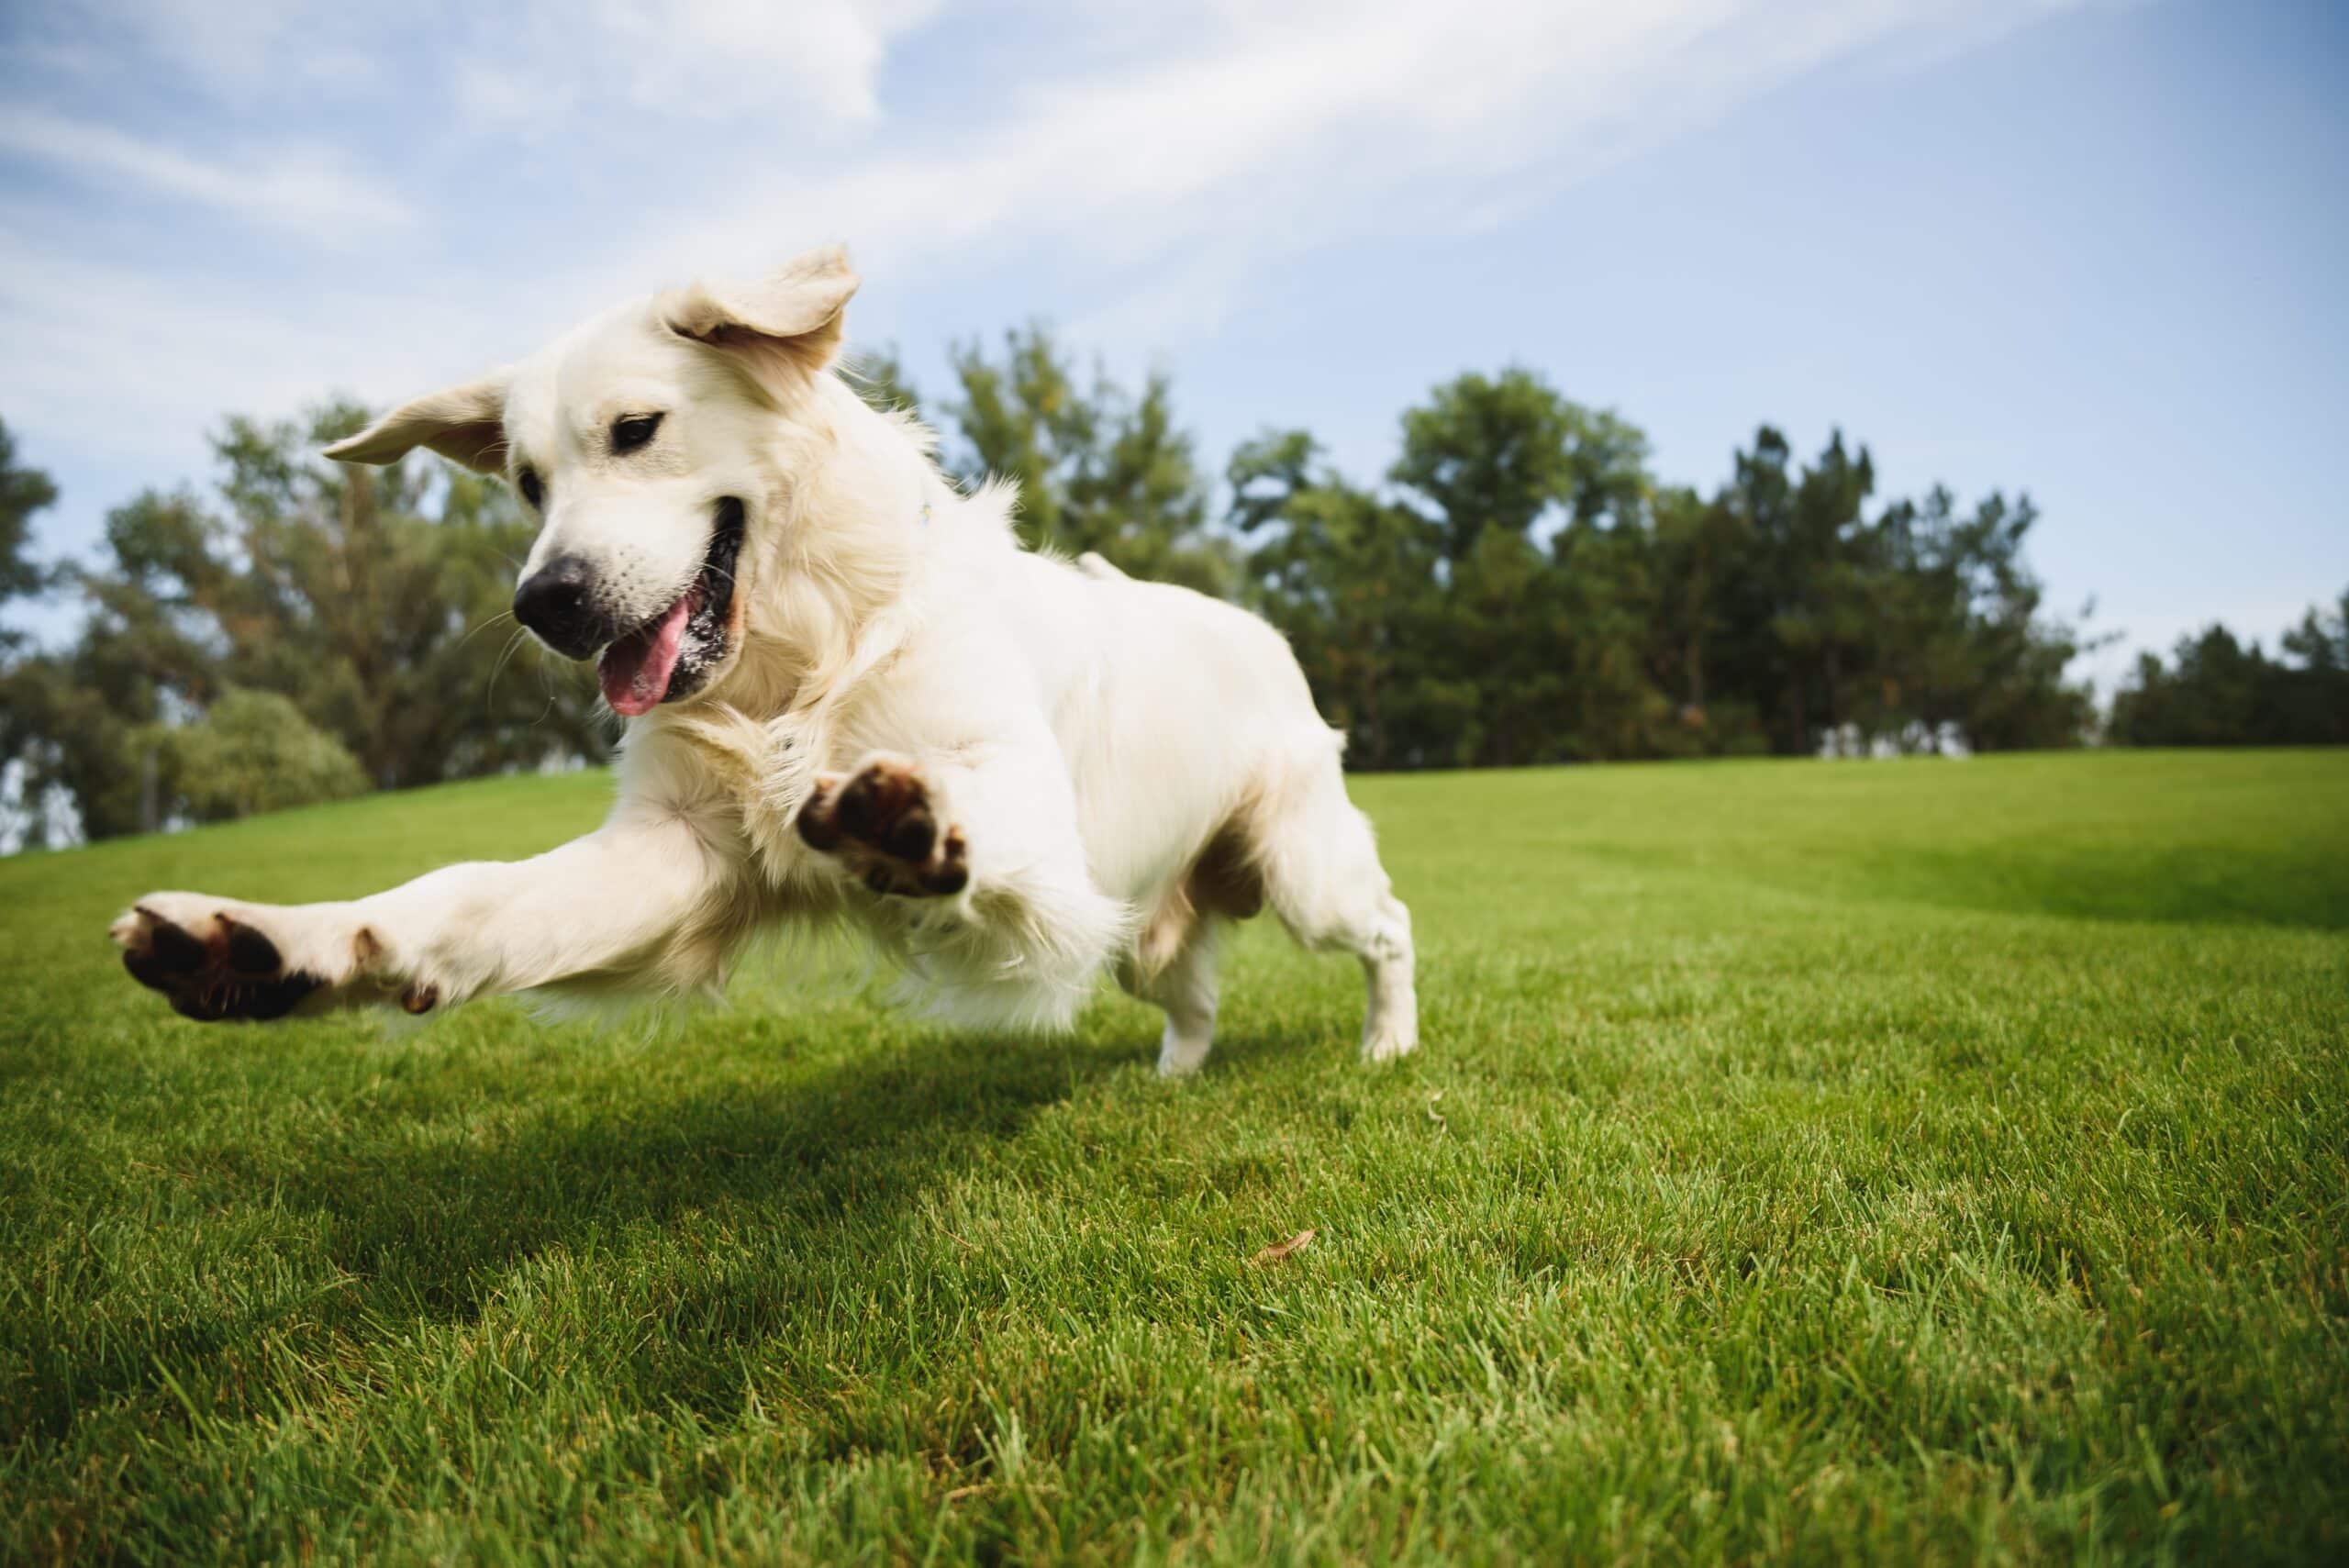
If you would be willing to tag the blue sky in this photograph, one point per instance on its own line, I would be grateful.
(2092, 250)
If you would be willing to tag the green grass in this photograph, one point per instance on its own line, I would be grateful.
(1914, 1161)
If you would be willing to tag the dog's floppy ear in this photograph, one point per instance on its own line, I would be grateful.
(465, 424)
(791, 319)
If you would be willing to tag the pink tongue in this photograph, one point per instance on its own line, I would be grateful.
(636, 669)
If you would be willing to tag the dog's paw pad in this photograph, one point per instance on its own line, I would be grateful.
(950, 871)
(885, 823)
(250, 952)
(211, 968)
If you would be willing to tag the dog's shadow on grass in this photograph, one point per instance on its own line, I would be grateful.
(434, 1222)
(433, 1210)
(804, 1185)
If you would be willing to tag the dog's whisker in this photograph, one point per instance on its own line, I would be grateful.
(489, 697)
(547, 688)
(485, 625)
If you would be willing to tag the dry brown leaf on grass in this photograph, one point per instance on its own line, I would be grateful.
(1279, 1250)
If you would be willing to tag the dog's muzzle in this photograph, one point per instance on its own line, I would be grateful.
(558, 601)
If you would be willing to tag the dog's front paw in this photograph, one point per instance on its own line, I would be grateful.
(884, 822)
(216, 959)
(211, 959)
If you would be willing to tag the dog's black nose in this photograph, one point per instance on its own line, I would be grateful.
(557, 601)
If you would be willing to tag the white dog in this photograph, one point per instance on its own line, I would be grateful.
(849, 692)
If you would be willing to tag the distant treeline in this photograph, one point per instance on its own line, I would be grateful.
(304, 632)
(2216, 691)
(1519, 588)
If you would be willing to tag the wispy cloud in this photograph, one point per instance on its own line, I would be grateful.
(132, 367)
(306, 188)
(234, 50)
(811, 62)
(1236, 134)
(553, 156)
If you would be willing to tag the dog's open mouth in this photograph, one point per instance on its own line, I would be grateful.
(670, 655)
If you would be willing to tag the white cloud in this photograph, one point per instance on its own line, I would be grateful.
(1196, 144)
(1264, 135)
(1168, 156)
(343, 70)
(300, 187)
(113, 359)
(518, 63)
(230, 48)
(814, 62)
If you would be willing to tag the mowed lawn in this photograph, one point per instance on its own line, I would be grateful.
(1926, 1161)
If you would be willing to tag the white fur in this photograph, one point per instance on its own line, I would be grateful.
(1091, 736)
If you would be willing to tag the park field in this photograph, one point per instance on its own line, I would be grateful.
(1909, 1162)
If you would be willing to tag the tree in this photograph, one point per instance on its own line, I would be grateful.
(1097, 468)
(1499, 452)
(369, 597)
(2320, 642)
(1701, 547)
(75, 716)
(1351, 579)
(374, 602)
(24, 493)
(1607, 609)
(1517, 588)
(250, 751)
(1527, 593)
(1836, 626)
(2012, 694)
(1555, 645)
(2219, 690)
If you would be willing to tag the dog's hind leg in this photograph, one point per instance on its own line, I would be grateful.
(1321, 875)
(1185, 988)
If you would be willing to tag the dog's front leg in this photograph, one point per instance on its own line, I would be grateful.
(974, 857)
(633, 903)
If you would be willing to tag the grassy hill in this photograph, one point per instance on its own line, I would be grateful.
(1912, 1162)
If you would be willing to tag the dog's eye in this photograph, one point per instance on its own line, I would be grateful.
(533, 492)
(633, 431)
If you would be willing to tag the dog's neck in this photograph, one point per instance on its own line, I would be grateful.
(838, 545)
(853, 498)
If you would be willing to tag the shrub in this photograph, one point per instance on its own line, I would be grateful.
(251, 751)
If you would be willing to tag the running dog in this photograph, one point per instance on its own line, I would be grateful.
(850, 696)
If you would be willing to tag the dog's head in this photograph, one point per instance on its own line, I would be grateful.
(639, 441)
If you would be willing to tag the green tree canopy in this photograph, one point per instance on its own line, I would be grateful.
(24, 493)
(1526, 591)
(1098, 468)
(1518, 587)
(2216, 690)
(375, 602)
(249, 751)
(1499, 452)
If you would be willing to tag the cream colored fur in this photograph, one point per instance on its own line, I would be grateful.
(1089, 736)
